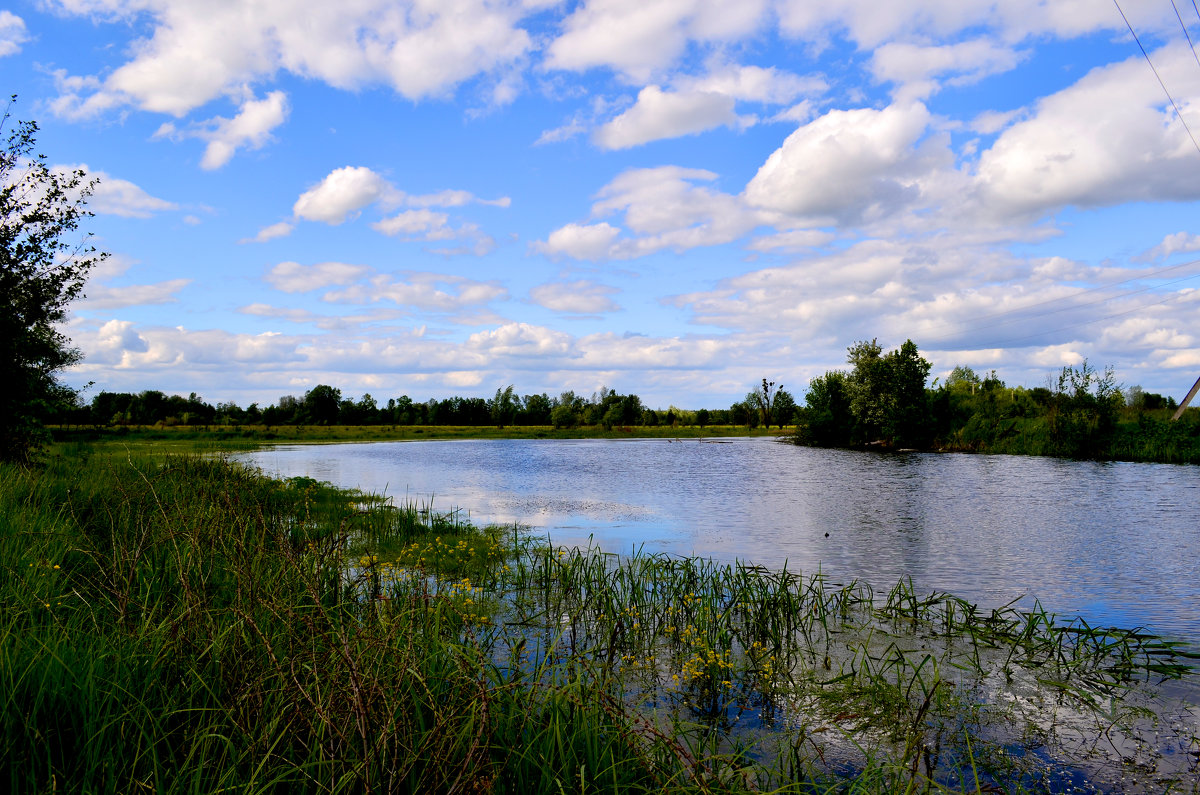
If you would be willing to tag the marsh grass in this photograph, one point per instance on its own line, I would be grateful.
(182, 624)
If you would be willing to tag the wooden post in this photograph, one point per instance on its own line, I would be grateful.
(1184, 403)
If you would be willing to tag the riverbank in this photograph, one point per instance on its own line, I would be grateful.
(248, 437)
(184, 624)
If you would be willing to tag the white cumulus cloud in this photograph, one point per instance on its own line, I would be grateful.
(520, 339)
(344, 191)
(580, 241)
(292, 277)
(12, 33)
(251, 127)
(434, 291)
(915, 68)
(270, 232)
(198, 50)
(1177, 243)
(1109, 138)
(639, 38)
(581, 297)
(846, 163)
(113, 196)
(660, 114)
(106, 297)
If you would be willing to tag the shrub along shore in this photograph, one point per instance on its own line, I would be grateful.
(181, 624)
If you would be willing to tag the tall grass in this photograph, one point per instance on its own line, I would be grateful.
(188, 626)
(178, 624)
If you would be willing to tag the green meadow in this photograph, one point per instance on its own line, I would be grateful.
(207, 438)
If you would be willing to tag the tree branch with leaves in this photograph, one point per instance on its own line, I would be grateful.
(43, 268)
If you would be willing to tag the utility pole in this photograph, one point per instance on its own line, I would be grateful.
(1183, 404)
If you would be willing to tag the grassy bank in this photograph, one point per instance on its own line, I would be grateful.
(1148, 436)
(179, 624)
(241, 437)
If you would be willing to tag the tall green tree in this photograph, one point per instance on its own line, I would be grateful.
(828, 421)
(869, 389)
(503, 407)
(907, 422)
(783, 408)
(44, 263)
(322, 405)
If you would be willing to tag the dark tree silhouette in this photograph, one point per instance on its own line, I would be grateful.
(43, 267)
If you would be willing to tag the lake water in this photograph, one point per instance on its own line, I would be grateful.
(1116, 543)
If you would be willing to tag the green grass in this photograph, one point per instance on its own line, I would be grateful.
(240, 437)
(180, 624)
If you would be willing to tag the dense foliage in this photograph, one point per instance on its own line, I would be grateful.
(42, 269)
(883, 401)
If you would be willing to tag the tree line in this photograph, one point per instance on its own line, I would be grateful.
(326, 405)
(883, 401)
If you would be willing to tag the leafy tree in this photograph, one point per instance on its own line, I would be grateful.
(681, 416)
(564, 415)
(744, 413)
(702, 417)
(868, 389)
(828, 419)
(621, 410)
(783, 408)
(906, 420)
(963, 378)
(503, 407)
(322, 405)
(43, 267)
(536, 410)
(887, 394)
(368, 409)
(1083, 415)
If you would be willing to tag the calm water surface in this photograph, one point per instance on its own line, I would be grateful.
(1116, 543)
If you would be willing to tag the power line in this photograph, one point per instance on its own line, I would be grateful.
(1185, 30)
(1146, 55)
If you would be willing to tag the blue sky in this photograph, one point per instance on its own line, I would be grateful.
(671, 197)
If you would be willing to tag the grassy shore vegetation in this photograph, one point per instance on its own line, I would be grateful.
(200, 438)
(181, 624)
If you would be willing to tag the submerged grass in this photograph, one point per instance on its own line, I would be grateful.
(182, 624)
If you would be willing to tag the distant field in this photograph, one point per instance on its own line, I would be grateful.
(235, 437)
